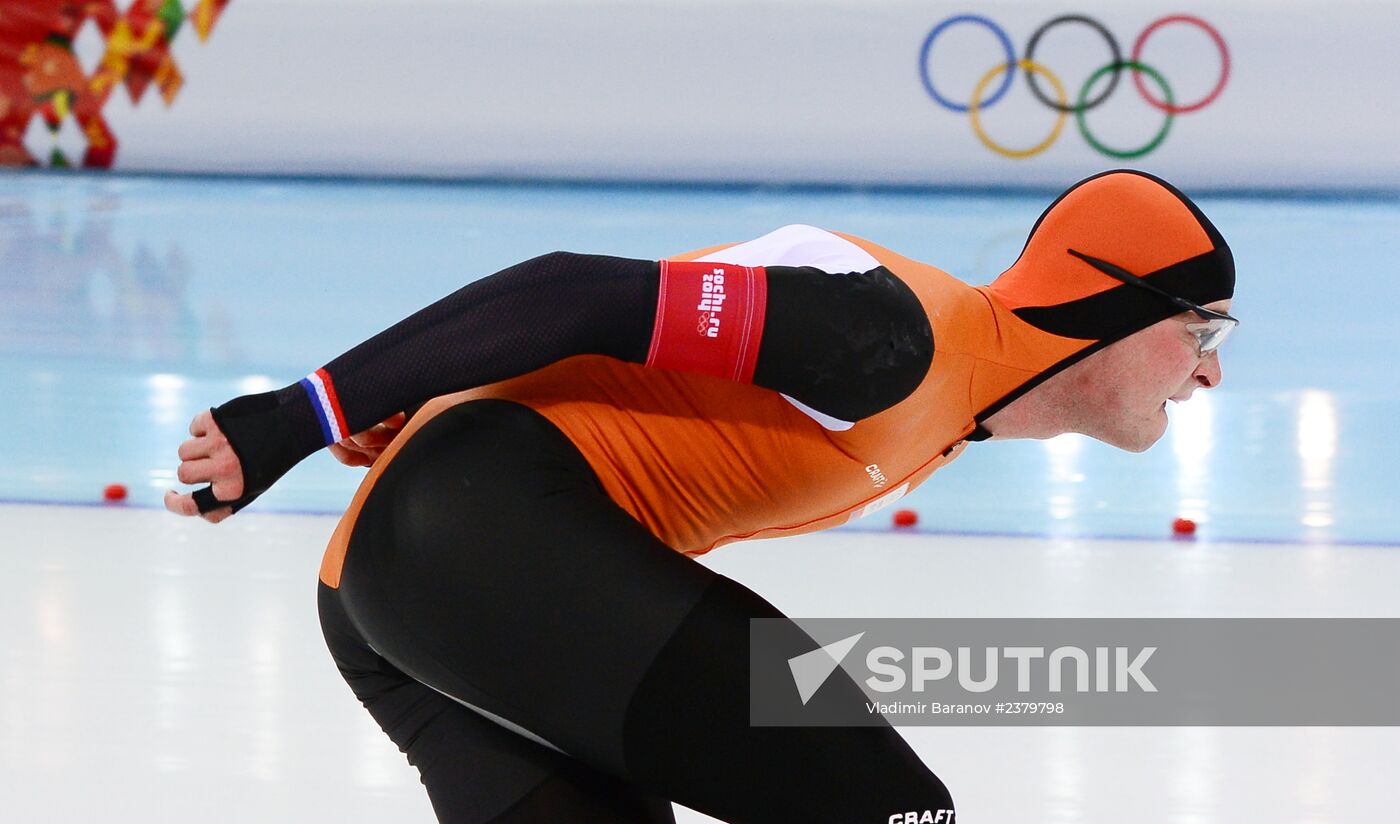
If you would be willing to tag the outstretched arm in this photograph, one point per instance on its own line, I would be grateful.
(847, 345)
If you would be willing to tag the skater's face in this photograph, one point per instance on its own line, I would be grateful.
(1125, 387)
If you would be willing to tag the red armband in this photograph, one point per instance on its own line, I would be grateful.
(709, 319)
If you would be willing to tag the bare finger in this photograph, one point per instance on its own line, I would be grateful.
(180, 504)
(380, 435)
(183, 504)
(230, 489)
(202, 424)
(196, 448)
(197, 471)
(349, 457)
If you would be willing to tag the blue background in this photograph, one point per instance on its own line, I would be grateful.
(128, 303)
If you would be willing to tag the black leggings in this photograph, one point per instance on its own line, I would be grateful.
(540, 656)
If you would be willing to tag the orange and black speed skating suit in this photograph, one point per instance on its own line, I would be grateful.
(509, 592)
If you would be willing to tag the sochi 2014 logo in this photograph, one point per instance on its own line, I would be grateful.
(1098, 88)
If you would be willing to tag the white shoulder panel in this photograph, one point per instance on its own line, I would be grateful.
(799, 245)
(827, 421)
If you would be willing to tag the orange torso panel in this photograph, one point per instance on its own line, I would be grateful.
(701, 461)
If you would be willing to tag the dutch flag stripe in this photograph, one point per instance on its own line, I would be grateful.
(318, 386)
(335, 403)
(310, 389)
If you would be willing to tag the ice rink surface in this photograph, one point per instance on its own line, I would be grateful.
(158, 670)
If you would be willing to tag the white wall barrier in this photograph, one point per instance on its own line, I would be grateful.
(783, 91)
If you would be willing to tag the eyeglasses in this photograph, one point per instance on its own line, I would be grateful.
(1210, 332)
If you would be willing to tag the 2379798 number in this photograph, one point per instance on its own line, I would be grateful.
(1030, 708)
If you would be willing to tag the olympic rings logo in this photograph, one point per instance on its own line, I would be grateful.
(1164, 100)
